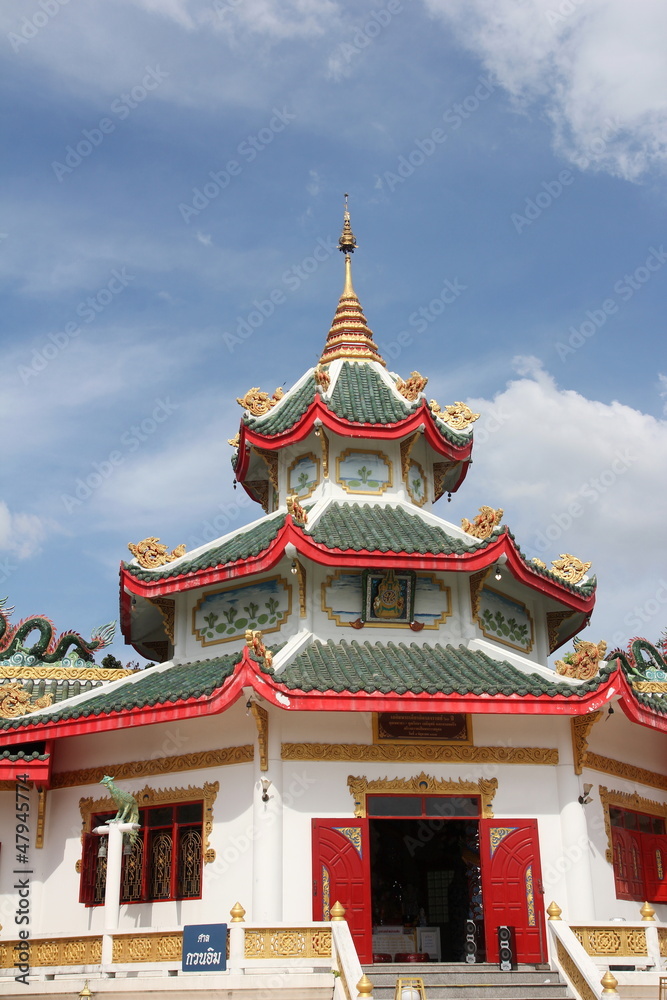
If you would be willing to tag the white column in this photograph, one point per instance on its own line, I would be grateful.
(112, 887)
(267, 844)
(575, 862)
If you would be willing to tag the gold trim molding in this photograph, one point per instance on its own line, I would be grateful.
(55, 951)
(422, 784)
(160, 796)
(158, 947)
(292, 942)
(160, 765)
(554, 621)
(53, 673)
(41, 817)
(626, 800)
(261, 717)
(167, 609)
(581, 726)
(596, 762)
(292, 467)
(571, 970)
(388, 484)
(610, 942)
(419, 753)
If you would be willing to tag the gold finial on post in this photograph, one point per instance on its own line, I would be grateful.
(237, 913)
(364, 986)
(347, 242)
(608, 984)
(647, 912)
(554, 911)
(85, 992)
(338, 911)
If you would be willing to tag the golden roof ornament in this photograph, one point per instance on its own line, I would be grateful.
(151, 553)
(482, 526)
(569, 568)
(257, 402)
(15, 701)
(298, 514)
(583, 664)
(457, 415)
(412, 387)
(253, 638)
(349, 336)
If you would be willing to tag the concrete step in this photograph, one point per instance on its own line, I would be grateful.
(460, 981)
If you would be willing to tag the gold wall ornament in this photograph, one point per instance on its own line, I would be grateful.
(288, 942)
(412, 387)
(650, 687)
(301, 580)
(619, 768)
(569, 568)
(476, 584)
(15, 701)
(156, 946)
(584, 663)
(257, 402)
(41, 817)
(554, 621)
(50, 672)
(261, 717)
(298, 514)
(324, 444)
(148, 797)
(406, 447)
(457, 415)
(322, 377)
(571, 970)
(253, 639)
(626, 800)
(157, 765)
(270, 459)
(419, 753)
(151, 553)
(612, 941)
(259, 488)
(167, 609)
(483, 524)
(421, 784)
(581, 726)
(440, 472)
(235, 441)
(55, 951)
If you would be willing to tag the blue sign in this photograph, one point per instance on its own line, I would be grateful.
(204, 948)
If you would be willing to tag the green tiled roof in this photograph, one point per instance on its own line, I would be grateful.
(22, 756)
(387, 529)
(59, 690)
(361, 396)
(396, 668)
(154, 687)
(242, 546)
(586, 588)
(287, 414)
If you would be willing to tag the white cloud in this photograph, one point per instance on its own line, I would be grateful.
(598, 66)
(21, 534)
(581, 476)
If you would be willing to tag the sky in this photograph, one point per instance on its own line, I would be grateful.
(171, 195)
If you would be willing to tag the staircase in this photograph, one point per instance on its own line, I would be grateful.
(460, 981)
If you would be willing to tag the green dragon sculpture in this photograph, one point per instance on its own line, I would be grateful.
(639, 667)
(48, 648)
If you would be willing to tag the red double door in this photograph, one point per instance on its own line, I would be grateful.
(511, 882)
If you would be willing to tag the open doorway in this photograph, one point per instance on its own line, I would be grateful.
(425, 873)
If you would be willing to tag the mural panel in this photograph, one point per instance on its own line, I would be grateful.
(303, 475)
(342, 600)
(416, 483)
(224, 615)
(506, 620)
(364, 471)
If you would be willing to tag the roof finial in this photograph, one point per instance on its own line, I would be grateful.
(347, 243)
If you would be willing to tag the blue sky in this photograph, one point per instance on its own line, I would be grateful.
(169, 164)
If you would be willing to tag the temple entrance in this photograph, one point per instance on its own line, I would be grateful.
(426, 886)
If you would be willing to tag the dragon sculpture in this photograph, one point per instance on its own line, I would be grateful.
(48, 648)
(128, 807)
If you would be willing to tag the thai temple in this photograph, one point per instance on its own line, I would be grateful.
(350, 758)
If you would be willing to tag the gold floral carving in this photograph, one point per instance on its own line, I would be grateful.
(639, 775)
(151, 553)
(483, 525)
(154, 947)
(261, 717)
(569, 568)
(324, 443)
(260, 490)
(158, 765)
(406, 447)
(322, 377)
(419, 753)
(626, 800)
(257, 402)
(270, 459)
(458, 415)
(167, 609)
(253, 639)
(235, 441)
(15, 701)
(301, 580)
(476, 584)
(55, 951)
(554, 621)
(569, 967)
(160, 796)
(540, 565)
(650, 687)
(422, 784)
(53, 673)
(610, 942)
(581, 726)
(585, 661)
(412, 387)
(41, 817)
(298, 514)
(662, 941)
(292, 942)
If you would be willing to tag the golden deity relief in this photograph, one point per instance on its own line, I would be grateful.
(388, 603)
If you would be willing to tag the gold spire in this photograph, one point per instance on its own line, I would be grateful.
(349, 336)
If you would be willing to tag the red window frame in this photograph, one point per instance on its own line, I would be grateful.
(633, 855)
